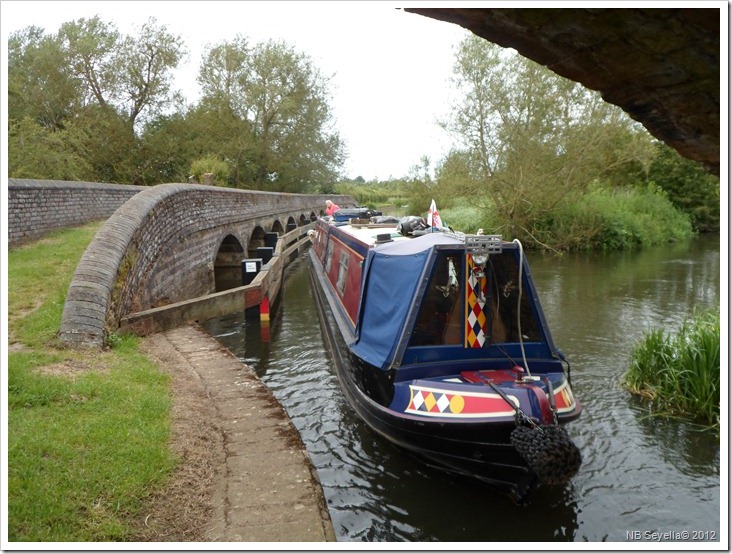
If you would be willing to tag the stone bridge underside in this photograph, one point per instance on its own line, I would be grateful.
(660, 65)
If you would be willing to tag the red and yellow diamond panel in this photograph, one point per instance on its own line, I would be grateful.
(428, 401)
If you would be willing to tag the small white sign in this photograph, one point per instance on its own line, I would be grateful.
(251, 267)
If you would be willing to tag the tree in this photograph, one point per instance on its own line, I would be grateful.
(223, 76)
(149, 59)
(44, 102)
(37, 152)
(210, 165)
(264, 110)
(131, 74)
(223, 108)
(91, 48)
(278, 104)
(168, 145)
(457, 173)
(109, 145)
(688, 186)
(534, 139)
(39, 85)
(98, 87)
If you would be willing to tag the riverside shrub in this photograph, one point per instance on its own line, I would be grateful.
(607, 220)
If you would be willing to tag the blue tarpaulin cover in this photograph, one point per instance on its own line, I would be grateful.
(391, 279)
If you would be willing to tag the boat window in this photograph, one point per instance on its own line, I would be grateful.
(503, 290)
(342, 272)
(328, 257)
(318, 241)
(440, 319)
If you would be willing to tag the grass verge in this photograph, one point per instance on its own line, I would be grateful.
(679, 373)
(88, 431)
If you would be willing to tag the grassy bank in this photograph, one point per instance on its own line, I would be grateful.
(679, 373)
(88, 432)
(601, 219)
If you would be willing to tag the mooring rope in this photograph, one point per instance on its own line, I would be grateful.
(520, 293)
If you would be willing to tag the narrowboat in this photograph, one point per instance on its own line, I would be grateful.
(440, 345)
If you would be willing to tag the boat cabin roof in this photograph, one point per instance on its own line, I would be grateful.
(385, 238)
(400, 274)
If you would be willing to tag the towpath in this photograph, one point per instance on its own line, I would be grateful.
(250, 470)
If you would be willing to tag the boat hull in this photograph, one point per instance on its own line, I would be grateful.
(477, 449)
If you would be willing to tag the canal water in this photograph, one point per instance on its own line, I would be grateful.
(640, 474)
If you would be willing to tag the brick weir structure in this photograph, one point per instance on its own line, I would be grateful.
(161, 245)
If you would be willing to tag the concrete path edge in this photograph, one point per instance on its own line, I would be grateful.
(268, 490)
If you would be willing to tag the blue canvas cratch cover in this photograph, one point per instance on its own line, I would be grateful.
(391, 277)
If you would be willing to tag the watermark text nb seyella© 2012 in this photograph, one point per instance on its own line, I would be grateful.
(663, 536)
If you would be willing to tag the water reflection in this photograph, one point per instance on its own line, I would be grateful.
(684, 445)
(638, 472)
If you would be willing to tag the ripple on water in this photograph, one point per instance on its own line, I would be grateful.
(637, 473)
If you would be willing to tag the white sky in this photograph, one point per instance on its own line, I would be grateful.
(388, 69)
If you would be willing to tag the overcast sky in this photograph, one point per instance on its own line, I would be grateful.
(388, 69)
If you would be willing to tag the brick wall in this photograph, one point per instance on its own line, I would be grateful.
(160, 247)
(36, 207)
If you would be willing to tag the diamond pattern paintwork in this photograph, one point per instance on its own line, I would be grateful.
(443, 403)
(475, 328)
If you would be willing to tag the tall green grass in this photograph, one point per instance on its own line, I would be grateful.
(680, 373)
(602, 219)
(88, 432)
(376, 194)
(607, 220)
(468, 217)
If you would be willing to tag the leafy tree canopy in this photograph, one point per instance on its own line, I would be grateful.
(532, 140)
(264, 110)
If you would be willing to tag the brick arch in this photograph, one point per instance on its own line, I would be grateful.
(659, 64)
(161, 247)
(278, 228)
(256, 240)
(227, 266)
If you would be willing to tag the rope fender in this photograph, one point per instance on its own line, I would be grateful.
(549, 451)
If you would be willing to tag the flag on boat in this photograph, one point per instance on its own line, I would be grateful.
(433, 218)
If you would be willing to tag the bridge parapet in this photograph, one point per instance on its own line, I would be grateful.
(160, 247)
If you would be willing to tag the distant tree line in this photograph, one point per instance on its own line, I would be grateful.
(88, 103)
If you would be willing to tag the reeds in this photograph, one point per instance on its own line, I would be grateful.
(680, 373)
